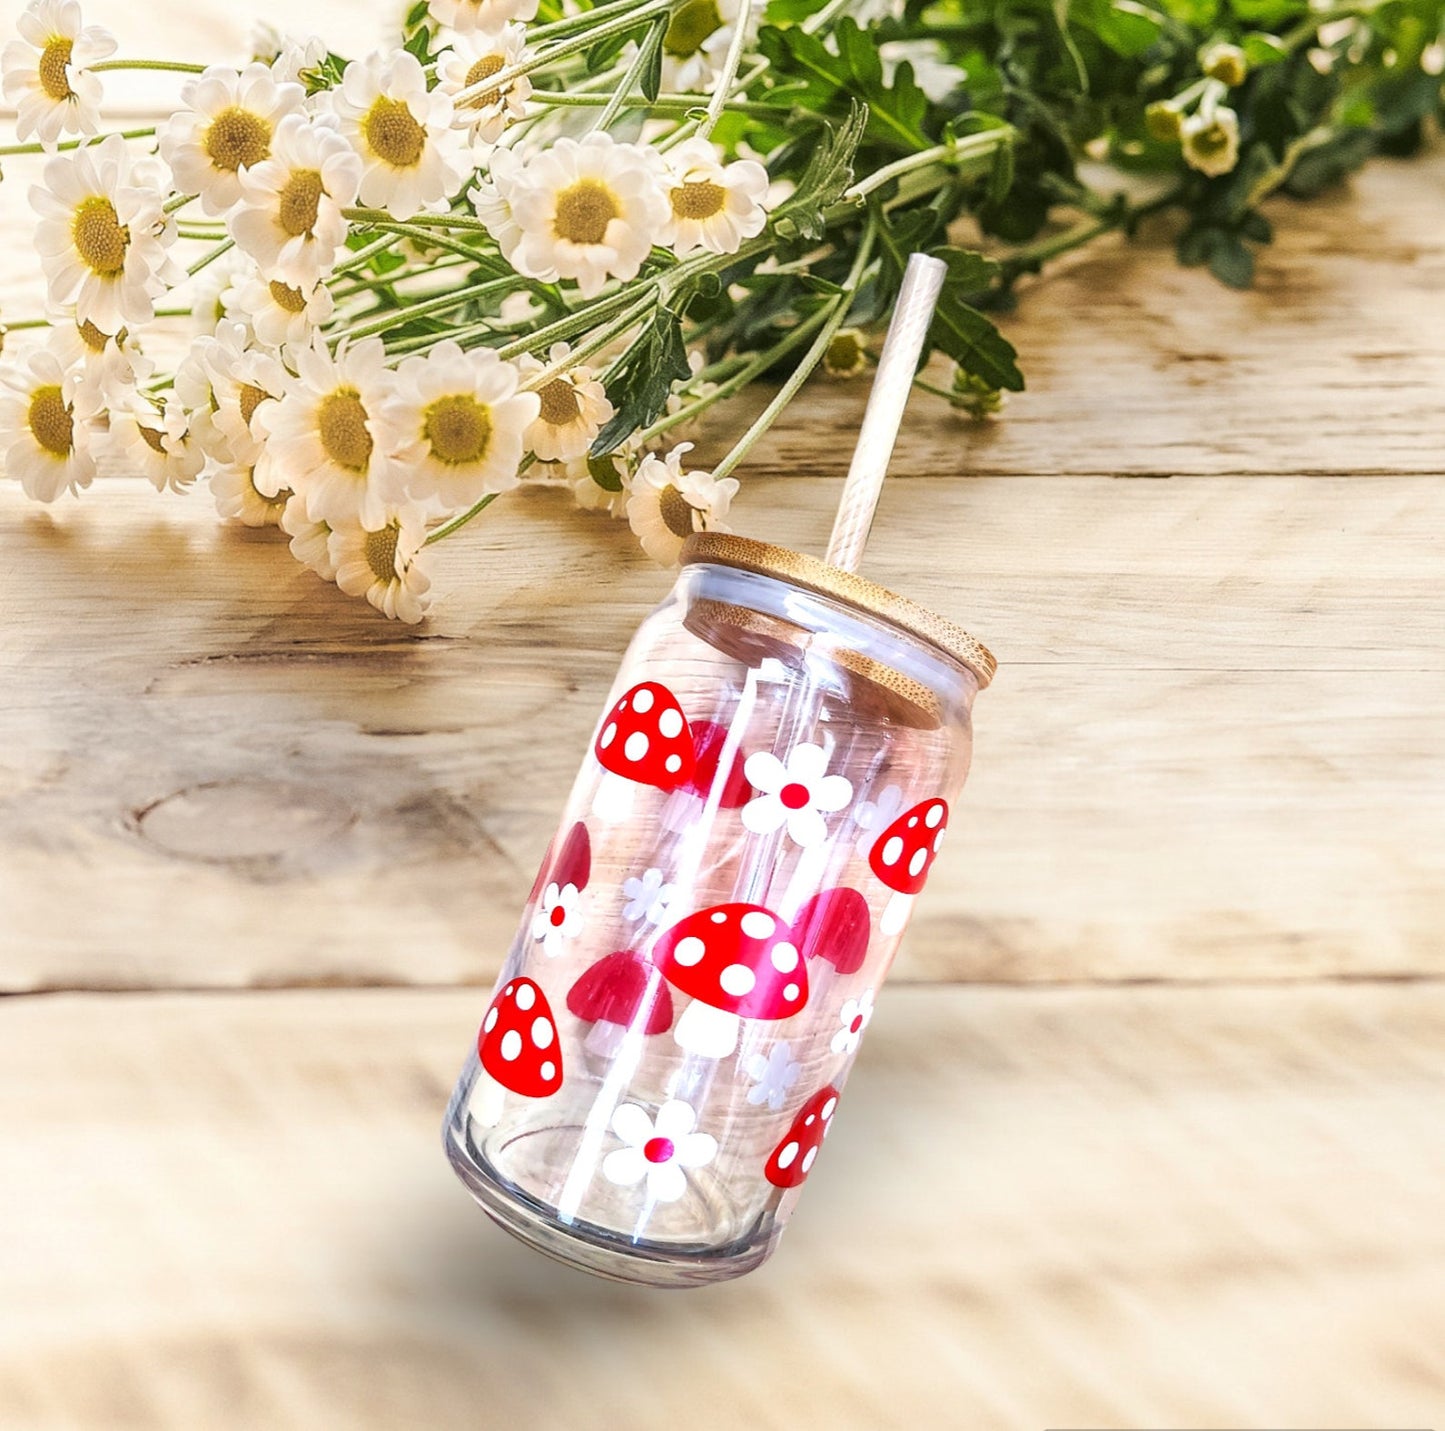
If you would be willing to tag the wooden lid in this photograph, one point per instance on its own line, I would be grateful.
(814, 575)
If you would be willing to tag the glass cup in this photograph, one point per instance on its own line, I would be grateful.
(675, 1020)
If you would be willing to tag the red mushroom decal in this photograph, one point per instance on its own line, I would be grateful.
(793, 1158)
(736, 961)
(902, 856)
(709, 739)
(518, 1043)
(834, 925)
(645, 740)
(620, 992)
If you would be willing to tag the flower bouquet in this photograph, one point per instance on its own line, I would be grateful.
(535, 241)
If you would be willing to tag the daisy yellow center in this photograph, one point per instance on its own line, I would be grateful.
(676, 511)
(458, 429)
(484, 69)
(99, 236)
(393, 134)
(380, 549)
(1211, 140)
(704, 200)
(692, 24)
(236, 138)
(845, 353)
(50, 421)
(559, 403)
(341, 423)
(151, 438)
(54, 68)
(92, 337)
(584, 210)
(300, 202)
(248, 399)
(293, 300)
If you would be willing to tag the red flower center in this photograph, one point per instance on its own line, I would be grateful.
(794, 796)
(658, 1150)
(856, 1024)
(558, 916)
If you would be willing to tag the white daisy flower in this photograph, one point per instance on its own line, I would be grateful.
(45, 440)
(320, 439)
(1210, 137)
(293, 58)
(233, 487)
(412, 158)
(467, 16)
(289, 217)
(590, 495)
(454, 423)
(666, 505)
(44, 71)
(932, 72)
(874, 816)
(648, 896)
(278, 313)
(242, 377)
(383, 563)
(228, 125)
(200, 378)
(773, 1075)
(103, 234)
(492, 196)
(695, 44)
(213, 291)
(711, 205)
(558, 917)
(470, 59)
(107, 367)
(853, 1018)
(574, 407)
(310, 541)
(588, 210)
(159, 443)
(657, 1150)
(797, 793)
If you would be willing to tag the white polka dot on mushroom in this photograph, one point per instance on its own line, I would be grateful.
(809, 1158)
(542, 1031)
(670, 723)
(787, 1154)
(920, 858)
(934, 815)
(720, 916)
(828, 1108)
(636, 747)
(893, 850)
(673, 764)
(526, 997)
(642, 701)
(490, 1022)
(784, 957)
(608, 735)
(758, 924)
(547, 1069)
(511, 1044)
(737, 980)
(791, 992)
(688, 951)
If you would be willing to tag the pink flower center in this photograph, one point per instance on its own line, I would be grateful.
(794, 796)
(857, 1023)
(558, 916)
(658, 1150)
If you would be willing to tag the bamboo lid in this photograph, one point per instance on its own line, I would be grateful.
(811, 574)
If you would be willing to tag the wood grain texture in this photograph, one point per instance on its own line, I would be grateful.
(1039, 1208)
(1212, 750)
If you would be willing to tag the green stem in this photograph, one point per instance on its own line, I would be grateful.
(177, 66)
(457, 523)
(955, 155)
(7, 150)
(442, 303)
(663, 104)
(564, 328)
(722, 90)
(380, 219)
(640, 61)
(177, 202)
(209, 258)
(785, 394)
(580, 21)
(21, 324)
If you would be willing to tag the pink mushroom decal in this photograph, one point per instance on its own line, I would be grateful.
(708, 741)
(518, 1043)
(619, 992)
(792, 1160)
(645, 740)
(902, 856)
(834, 925)
(572, 866)
(735, 961)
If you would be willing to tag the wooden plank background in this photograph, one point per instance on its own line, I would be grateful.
(1155, 1138)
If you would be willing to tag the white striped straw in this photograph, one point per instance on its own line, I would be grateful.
(922, 281)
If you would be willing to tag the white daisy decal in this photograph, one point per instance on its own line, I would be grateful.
(853, 1018)
(874, 816)
(558, 917)
(658, 1151)
(796, 793)
(648, 897)
(45, 75)
(773, 1075)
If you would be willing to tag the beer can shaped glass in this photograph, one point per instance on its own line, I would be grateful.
(765, 793)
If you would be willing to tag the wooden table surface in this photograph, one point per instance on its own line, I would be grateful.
(1150, 1128)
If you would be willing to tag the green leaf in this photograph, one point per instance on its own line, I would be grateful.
(642, 378)
(973, 342)
(1231, 262)
(1262, 50)
(824, 181)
